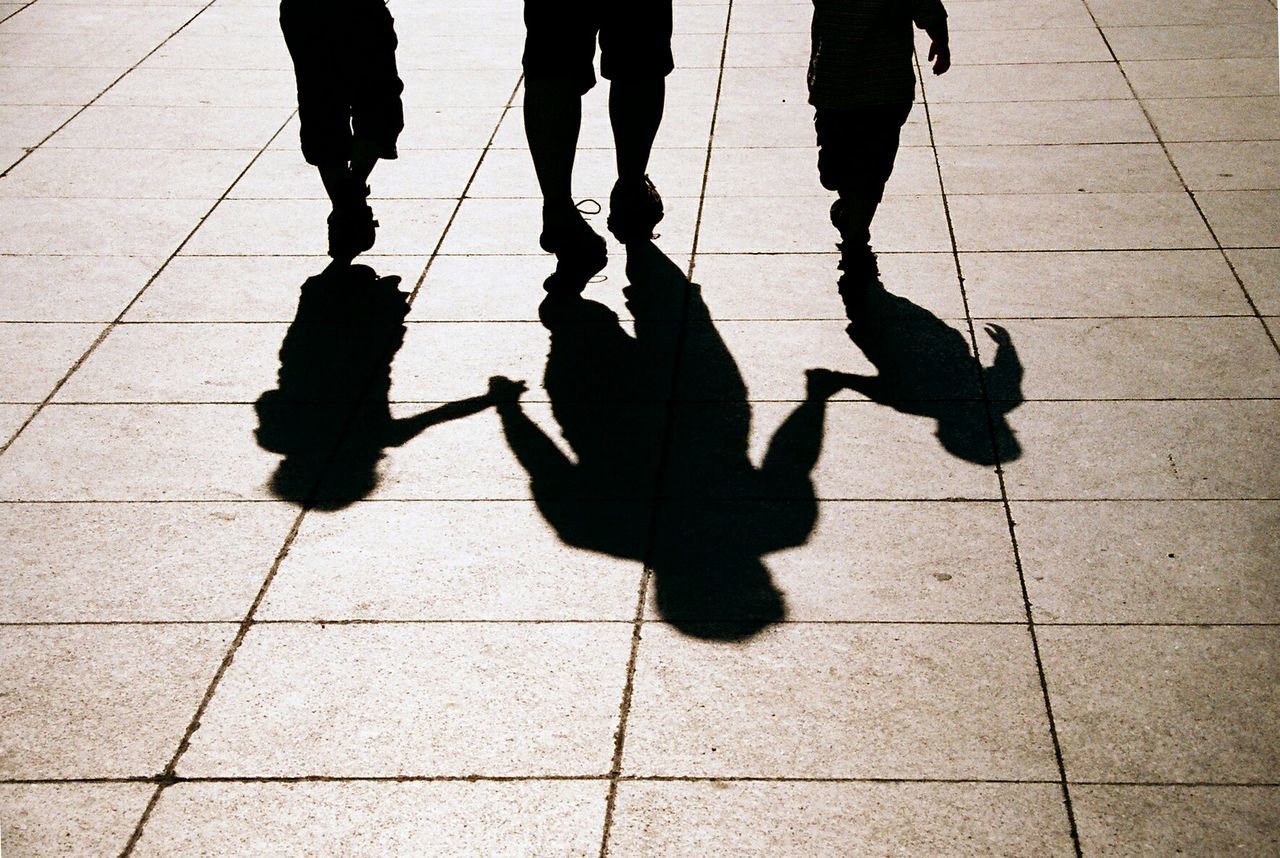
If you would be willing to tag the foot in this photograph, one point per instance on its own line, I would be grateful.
(860, 275)
(351, 230)
(580, 252)
(635, 208)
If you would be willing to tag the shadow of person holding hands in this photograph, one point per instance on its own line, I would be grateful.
(716, 513)
(329, 415)
(925, 367)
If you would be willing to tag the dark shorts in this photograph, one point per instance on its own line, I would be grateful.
(344, 58)
(857, 146)
(560, 41)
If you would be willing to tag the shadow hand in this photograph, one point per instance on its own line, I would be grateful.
(999, 334)
(505, 390)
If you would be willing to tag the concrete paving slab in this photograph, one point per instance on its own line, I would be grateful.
(70, 819)
(1164, 703)
(864, 701)
(138, 562)
(422, 818)
(1242, 218)
(40, 356)
(299, 701)
(1063, 169)
(1259, 270)
(806, 818)
(1184, 450)
(1149, 561)
(1168, 819)
(74, 691)
(1216, 119)
(1040, 123)
(427, 568)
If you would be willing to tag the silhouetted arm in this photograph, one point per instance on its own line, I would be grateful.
(1004, 377)
(930, 16)
(406, 429)
(795, 447)
(545, 462)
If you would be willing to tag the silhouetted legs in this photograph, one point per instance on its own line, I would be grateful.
(635, 112)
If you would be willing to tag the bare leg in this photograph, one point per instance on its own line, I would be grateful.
(552, 118)
(635, 112)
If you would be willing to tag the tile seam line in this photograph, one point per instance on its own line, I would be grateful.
(639, 779)
(18, 11)
(1213, 233)
(27, 151)
(249, 619)
(577, 621)
(543, 400)
(668, 440)
(110, 326)
(418, 499)
(1063, 783)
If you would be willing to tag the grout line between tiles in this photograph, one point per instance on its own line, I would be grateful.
(1000, 476)
(22, 8)
(578, 621)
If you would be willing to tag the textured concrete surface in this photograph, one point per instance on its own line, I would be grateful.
(276, 577)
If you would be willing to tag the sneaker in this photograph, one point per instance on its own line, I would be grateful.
(580, 252)
(351, 231)
(634, 210)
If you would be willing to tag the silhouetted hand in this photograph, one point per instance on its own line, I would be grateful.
(822, 384)
(940, 54)
(999, 334)
(503, 390)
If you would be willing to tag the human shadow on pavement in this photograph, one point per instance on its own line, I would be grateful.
(716, 514)
(329, 415)
(925, 367)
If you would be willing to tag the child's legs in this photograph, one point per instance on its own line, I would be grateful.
(377, 114)
(856, 150)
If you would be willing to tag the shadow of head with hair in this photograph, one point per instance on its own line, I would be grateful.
(329, 415)
(925, 367)
(669, 483)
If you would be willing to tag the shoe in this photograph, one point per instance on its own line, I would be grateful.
(634, 210)
(860, 273)
(838, 211)
(580, 252)
(351, 230)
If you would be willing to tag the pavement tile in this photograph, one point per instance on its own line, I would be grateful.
(1191, 42)
(150, 86)
(1154, 450)
(1260, 272)
(1101, 284)
(87, 562)
(1243, 218)
(70, 819)
(1042, 122)
(146, 452)
(416, 700)
(120, 174)
(1150, 562)
(70, 288)
(1145, 358)
(856, 701)
(73, 693)
(1209, 119)
(271, 227)
(521, 565)
(1107, 221)
(416, 174)
(811, 818)
(1161, 704)
(193, 49)
(1116, 13)
(246, 288)
(27, 126)
(1228, 166)
(881, 561)
(1060, 169)
(70, 87)
(97, 227)
(12, 417)
(179, 363)
(794, 172)
(803, 225)
(1072, 44)
(38, 356)
(1050, 82)
(182, 128)
(803, 286)
(368, 819)
(1202, 78)
(1028, 14)
(1168, 820)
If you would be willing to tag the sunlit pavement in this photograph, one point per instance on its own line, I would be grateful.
(255, 601)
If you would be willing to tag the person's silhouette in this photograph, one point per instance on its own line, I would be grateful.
(925, 367)
(349, 109)
(635, 56)
(333, 386)
(717, 513)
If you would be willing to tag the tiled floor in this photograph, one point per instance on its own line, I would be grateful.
(279, 579)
